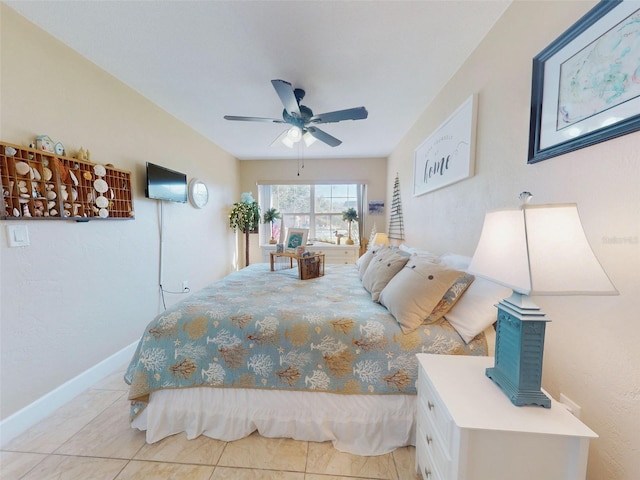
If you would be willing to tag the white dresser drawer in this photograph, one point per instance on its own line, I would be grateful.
(430, 440)
(435, 412)
(426, 465)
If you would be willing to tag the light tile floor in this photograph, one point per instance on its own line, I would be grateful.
(90, 439)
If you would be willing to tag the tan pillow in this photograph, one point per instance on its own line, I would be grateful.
(416, 291)
(382, 268)
(363, 262)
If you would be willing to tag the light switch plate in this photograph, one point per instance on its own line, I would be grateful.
(18, 235)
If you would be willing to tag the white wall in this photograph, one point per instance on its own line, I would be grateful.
(591, 352)
(372, 171)
(83, 291)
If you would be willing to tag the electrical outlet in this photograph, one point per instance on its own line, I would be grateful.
(185, 285)
(572, 406)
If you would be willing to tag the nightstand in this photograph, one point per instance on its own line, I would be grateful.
(468, 429)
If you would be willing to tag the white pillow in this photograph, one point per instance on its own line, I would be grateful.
(382, 268)
(455, 261)
(475, 310)
(420, 253)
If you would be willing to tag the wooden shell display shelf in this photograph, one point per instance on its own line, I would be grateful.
(42, 185)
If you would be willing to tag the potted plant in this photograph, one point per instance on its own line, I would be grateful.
(350, 215)
(270, 216)
(245, 216)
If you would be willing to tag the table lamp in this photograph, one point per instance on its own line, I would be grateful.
(380, 239)
(534, 250)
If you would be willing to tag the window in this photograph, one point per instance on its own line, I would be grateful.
(316, 207)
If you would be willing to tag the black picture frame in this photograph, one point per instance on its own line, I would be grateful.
(548, 136)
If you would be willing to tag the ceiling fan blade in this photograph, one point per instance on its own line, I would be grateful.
(287, 97)
(357, 113)
(254, 119)
(324, 137)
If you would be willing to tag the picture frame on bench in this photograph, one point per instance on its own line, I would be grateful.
(296, 237)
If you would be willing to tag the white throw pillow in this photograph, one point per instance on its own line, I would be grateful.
(476, 310)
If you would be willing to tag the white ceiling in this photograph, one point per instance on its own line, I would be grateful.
(201, 60)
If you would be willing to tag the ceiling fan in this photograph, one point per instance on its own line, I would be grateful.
(302, 119)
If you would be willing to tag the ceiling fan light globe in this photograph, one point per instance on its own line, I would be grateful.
(308, 139)
(294, 134)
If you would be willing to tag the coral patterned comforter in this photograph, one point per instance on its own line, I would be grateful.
(269, 330)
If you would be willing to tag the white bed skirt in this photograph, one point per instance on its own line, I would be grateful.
(357, 424)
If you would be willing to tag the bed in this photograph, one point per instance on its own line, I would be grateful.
(314, 360)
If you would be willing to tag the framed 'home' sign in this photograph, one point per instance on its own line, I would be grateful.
(447, 155)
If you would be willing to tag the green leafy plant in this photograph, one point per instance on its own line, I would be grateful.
(350, 215)
(245, 216)
(270, 216)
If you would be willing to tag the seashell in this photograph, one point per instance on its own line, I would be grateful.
(25, 195)
(22, 183)
(100, 185)
(46, 214)
(38, 204)
(23, 200)
(10, 151)
(47, 174)
(67, 205)
(90, 197)
(102, 202)
(66, 213)
(104, 213)
(22, 168)
(16, 212)
(50, 205)
(99, 170)
(23, 189)
(65, 194)
(74, 194)
(53, 212)
(51, 195)
(74, 179)
(45, 162)
(36, 174)
(25, 210)
(111, 193)
(87, 175)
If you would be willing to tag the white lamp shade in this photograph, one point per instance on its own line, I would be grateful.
(539, 250)
(380, 239)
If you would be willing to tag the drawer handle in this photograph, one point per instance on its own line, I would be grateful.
(427, 473)
(429, 440)
(430, 405)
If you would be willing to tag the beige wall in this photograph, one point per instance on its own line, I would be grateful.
(82, 291)
(372, 171)
(591, 352)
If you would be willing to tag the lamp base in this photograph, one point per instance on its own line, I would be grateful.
(518, 397)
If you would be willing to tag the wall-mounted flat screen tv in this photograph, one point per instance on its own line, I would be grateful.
(166, 184)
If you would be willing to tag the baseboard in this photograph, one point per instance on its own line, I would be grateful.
(28, 416)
